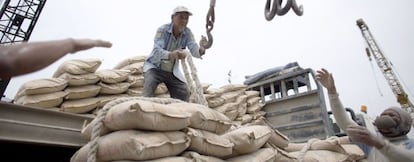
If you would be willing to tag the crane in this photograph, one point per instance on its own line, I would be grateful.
(17, 21)
(386, 68)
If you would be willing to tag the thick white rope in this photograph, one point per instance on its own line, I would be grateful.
(194, 85)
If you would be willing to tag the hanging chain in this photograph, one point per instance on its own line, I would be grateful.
(275, 8)
(210, 24)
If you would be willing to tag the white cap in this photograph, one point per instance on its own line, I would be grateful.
(181, 9)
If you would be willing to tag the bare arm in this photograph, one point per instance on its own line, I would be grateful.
(23, 58)
(326, 79)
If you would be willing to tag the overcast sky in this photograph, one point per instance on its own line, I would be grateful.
(245, 43)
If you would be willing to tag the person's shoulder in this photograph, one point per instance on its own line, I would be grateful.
(164, 27)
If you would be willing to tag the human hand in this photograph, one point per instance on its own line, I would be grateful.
(327, 80)
(177, 54)
(84, 44)
(203, 42)
(361, 134)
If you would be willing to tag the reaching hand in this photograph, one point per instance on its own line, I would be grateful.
(176, 54)
(84, 44)
(203, 41)
(361, 134)
(327, 80)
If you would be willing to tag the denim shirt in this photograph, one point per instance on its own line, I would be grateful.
(162, 46)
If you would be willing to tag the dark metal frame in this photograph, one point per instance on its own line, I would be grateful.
(17, 21)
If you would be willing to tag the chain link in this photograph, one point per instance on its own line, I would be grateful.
(275, 8)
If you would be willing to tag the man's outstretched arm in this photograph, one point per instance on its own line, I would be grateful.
(27, 57)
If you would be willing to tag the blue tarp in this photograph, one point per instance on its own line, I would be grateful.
(260, 75)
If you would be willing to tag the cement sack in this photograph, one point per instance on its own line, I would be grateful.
(79, 106)
(130, 60)
(165, 159)
(258, 115)
(135, 145)
(261, 155)
(78, 66)
(227, 107)
(136, 81)
(244, 119)
(319, 156)
(110, 76)
(252, 93)
(135, 68)
(254, 108)
(232, 115)
(233, 87)
(115, 88)
(135, 91)
(49, 100)
(146, 115)
(196, 157)
(205, 118)
(42, 86)
(82, 92)
(104, 99)
(277, 138)
(331, 144)
(215, 102)
(252, 101)
(247, 139)
(231, 96)
(207, 143)
(80, 79)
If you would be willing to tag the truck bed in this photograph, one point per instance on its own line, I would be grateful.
(38, 125)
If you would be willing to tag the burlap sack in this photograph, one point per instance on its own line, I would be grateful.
(319, 156)
(247, 139)
(49, 100)
(130, 60)
(277, 138)
(227, 107)
(254, 108)
(233, 87)
(207, 143)
(145, 115)
(252, 101)
(81, 79)
(104, 99)
(252, 93)
(258, 115)
(82, 92)
(136, 145)
(165, 159)
(79, 106)
(135, 68)
(215, 102)
(135, 91)
(196, 157)
(115, 88)
(42, 86)
(78, 66)
(136, 80)
(244, 119)
(110, 76)
(231, 96)
(261, 155)
(205, 118)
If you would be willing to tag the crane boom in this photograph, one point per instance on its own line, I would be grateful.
(386, 68)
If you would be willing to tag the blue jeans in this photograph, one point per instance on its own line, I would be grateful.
(176, 87)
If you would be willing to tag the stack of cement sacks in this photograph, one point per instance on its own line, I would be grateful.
(231, 128)
(139, 129)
